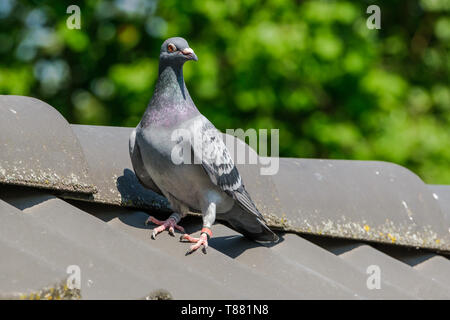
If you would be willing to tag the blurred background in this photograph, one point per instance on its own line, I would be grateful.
(312, 69)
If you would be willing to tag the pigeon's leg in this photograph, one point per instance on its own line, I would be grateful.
(171, 223)
(209, 216)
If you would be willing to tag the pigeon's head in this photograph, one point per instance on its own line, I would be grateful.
(176, 51)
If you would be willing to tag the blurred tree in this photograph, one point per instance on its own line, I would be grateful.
(334, 88)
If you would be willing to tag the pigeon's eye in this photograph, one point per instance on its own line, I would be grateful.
(171, 47)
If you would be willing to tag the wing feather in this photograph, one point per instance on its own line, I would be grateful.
(216, 160)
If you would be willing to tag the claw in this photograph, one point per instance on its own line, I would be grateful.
(153, 220)
(188, 238)
(157, 230)
(202, 241)
(163, 225)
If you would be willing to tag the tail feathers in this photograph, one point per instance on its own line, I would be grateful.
(249, 225)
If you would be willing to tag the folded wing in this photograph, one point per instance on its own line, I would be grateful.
(218, 164)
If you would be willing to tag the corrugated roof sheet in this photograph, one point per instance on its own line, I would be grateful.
(43, 231)
(38, 148)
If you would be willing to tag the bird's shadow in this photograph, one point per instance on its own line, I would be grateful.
(235, 245)
(133, 194)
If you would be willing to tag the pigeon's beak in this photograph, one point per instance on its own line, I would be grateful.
(189, 54)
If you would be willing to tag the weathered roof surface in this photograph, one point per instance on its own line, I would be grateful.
(442, 195)
(43, 231)
(365, 200)
(38, 148)
(117, 258)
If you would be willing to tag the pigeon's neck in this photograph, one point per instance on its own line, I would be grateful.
(171, 80)
(171, 102)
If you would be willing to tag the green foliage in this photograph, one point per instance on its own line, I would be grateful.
(334, 88)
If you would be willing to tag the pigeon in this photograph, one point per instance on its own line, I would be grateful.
(177, 152)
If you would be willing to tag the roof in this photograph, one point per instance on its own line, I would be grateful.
(76, 201)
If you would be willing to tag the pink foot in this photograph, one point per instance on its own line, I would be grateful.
(163, 225)
(202, 241)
